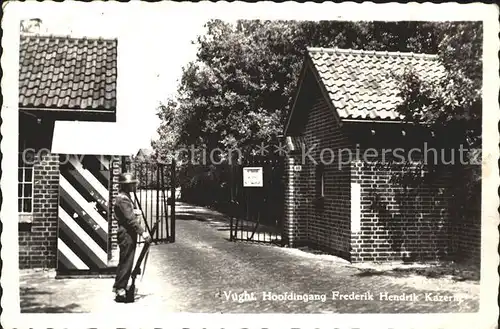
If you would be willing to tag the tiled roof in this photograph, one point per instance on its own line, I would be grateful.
(67, 73)
(360, 83)
(145, 152)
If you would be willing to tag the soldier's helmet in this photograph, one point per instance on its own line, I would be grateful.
(127, 178)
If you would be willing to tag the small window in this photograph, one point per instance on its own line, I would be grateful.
(25, 186)
(320, 181)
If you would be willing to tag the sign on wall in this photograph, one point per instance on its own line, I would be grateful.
(253, 177)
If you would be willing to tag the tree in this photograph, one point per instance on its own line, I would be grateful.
(168, 130)
(458, 92)
(450, 100)
(238, 92)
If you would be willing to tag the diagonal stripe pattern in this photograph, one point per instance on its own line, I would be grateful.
(83, 215)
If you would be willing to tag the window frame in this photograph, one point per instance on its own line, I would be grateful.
(25, 217)
(23, 183)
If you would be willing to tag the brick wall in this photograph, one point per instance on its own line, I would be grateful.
(364, 214)
(296, 202)
(400, 223)
(329, 218)
(467, 237)
(320, 222)
(466, 220)
(38, 240)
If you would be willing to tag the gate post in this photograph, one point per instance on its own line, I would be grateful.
(124, 164)
(157, 191)
(290, 225)
(172, 197)
(283, 195)
(231, 219)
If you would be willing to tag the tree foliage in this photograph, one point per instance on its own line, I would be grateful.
(237, 93)
(458, 93)
(450, 100)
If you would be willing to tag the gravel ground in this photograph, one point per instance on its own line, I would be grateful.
(204, 272)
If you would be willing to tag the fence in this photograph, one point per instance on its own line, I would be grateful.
(257, 211)
(155, 197)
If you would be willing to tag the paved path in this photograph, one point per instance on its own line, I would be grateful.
(202, 269)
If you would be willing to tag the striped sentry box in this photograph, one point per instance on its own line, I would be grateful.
(83, 213)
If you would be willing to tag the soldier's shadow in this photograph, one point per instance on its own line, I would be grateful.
(139, 296)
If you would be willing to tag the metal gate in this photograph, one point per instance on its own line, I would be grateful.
(257, 207)
(155, 197)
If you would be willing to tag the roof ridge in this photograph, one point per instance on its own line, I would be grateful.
(372, 52)
(64, 36)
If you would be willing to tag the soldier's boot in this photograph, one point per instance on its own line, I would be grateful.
(121, 296)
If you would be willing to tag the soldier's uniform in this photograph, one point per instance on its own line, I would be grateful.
(128, 230)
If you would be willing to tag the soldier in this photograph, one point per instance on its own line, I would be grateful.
(128, 230)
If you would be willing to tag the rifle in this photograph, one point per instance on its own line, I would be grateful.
(130, 297)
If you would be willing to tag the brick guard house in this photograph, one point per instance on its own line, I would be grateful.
(64, 199)
(354, 207)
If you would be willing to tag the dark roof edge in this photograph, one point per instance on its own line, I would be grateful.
(65, 36)
(402, 122)
(372, 52)
(309, 65)
(352, 120)
(76, 110)
(309, 62)
(298, 87)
